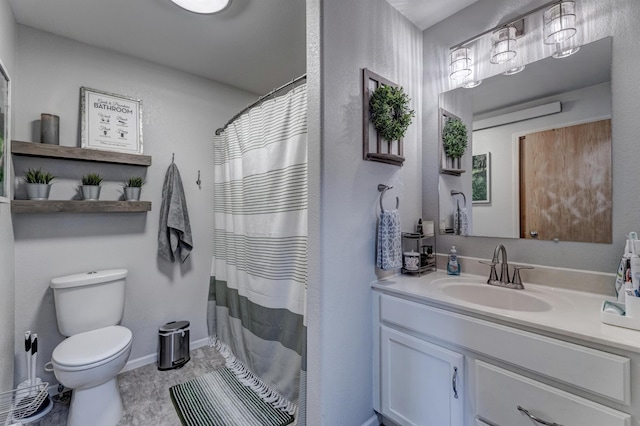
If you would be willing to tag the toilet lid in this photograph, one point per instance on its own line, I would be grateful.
(91, 346)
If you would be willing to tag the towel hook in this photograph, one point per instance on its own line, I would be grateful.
(382, 189)
(173, 156)
(464, 198)
(199, 182)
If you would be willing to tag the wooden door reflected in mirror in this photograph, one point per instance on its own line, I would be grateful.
(565, 183)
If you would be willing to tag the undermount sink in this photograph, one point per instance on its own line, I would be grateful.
(473, 291)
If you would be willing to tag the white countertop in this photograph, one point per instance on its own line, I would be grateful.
(573, 313)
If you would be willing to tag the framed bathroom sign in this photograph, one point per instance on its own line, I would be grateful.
(110, 122)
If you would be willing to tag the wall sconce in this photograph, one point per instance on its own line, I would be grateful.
(503, 45)
(560, 22)
(460, 64)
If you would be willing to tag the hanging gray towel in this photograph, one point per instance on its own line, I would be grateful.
(389, 250)
(174, 235)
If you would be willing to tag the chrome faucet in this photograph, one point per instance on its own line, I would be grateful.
(504, 272)
(500, 257)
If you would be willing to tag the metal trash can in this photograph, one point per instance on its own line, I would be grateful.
(174, 345)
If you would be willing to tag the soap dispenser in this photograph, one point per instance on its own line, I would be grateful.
(453, 267)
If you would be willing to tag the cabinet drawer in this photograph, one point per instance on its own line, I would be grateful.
(499, 393)
(609, 374)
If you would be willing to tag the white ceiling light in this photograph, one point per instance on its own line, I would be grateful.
(206, 7)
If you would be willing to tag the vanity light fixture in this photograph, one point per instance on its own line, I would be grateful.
(563, 53)
(471, 84)
(559, 29)
(514, 70)
(560, 22)
(204, 7)
(503, 45)
(460, 64)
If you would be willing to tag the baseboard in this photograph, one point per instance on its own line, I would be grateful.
(152, 358)
(373, 421)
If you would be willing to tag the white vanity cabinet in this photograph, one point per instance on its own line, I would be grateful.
(420, 383)
(419, 348)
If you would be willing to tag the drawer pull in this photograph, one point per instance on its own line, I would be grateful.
(454, 382)
(536, 419)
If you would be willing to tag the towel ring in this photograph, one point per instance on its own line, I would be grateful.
(382, 189)
(464, 198)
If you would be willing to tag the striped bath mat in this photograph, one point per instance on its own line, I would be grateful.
(219, 399)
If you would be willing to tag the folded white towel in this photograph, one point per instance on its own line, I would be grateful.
(174, 235)
(389, 250)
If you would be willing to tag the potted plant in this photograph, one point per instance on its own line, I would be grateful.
(38, 184)
(454, 140)
(91, 186)
(132, 188)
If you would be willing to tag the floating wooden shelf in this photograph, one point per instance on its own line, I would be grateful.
(454, 172)
(35, 149)
(385, 158)
(79, 206)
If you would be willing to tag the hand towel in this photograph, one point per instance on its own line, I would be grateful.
(174, 235)
(389, 251)
(461, 222)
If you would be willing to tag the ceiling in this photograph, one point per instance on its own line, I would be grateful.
(425, 13)
(547, 77)
(255, 45)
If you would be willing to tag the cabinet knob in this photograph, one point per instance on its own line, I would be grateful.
(536, 419)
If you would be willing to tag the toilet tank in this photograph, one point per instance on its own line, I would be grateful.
(89, 301)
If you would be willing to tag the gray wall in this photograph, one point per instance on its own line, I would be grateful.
(180, 115)
(601, 19)
(7, 56)
(356, 34)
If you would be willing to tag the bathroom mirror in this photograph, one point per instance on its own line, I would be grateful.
(5, 139)
(538, 161)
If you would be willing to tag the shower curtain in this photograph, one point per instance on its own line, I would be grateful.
(259, 268)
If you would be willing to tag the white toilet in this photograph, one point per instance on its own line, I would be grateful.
(88, 308)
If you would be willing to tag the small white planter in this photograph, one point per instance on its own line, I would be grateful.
(90, 192)
(38, 191)
(132, 193)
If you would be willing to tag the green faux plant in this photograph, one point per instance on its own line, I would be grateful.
(454, 138)
(93, 179)
(390, 113)
(38, 176)
(134, 182)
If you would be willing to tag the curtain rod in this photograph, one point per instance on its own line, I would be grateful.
(505, 24)
(262, 99)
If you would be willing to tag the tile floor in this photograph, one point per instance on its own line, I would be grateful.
(145, 392)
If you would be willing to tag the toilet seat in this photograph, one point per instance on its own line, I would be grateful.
(92, 348)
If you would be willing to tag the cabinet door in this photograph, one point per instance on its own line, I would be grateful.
(421, 383)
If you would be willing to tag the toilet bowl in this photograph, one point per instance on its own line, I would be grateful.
(88, 363)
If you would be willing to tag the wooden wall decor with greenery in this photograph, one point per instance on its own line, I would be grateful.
(454, 137)
(386, 114)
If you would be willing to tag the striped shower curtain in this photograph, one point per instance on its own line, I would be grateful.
(257, 292)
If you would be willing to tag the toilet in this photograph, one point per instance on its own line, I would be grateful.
(89, 307)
